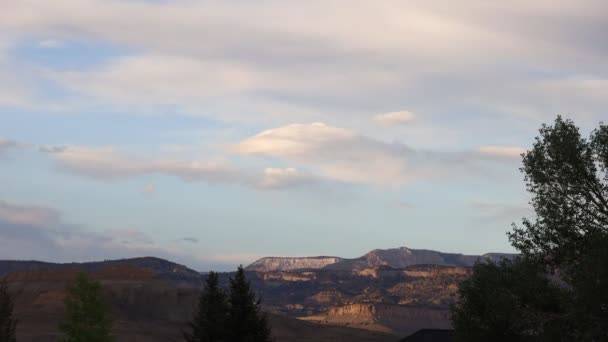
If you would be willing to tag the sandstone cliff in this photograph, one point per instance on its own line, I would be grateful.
(396, 258)
(287, 264)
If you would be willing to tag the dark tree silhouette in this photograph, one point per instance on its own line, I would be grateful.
(508, 301)
(566, 176)
(247, 323)
(211, 317)
(558, 290)
(87, 315)
(8, 323)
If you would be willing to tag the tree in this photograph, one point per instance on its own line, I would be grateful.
(246, 321)
(566, 176)
(508, 301)
(558, 289)
(87, 315)
(211, 317)
(8, 323)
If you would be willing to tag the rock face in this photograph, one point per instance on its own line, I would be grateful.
(404, 257)
(400, 319)
(394, 291)
(396, 258)
(287, 264)
(146, 306)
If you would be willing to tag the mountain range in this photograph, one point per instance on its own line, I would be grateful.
(381, 296)
(394, 257)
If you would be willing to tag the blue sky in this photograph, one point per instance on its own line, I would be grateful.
(216, 132)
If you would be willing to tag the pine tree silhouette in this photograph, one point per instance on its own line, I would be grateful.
(8, 323)
(247, 323)
(211, 317)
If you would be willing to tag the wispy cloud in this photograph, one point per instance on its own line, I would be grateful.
(50, 43)
(104, 163)
(344, 155)
(394, 118)
(188, 239)
(30, 232)
(7, 145)
(496, 211)
(503, 151)
(443, 58)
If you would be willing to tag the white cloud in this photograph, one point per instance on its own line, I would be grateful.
(242, 61)
(394, 118)
(160, 79)
(277, 178)
(50, 43)
(344, 155)
(104, 163)
(503, 151)
(338, 153)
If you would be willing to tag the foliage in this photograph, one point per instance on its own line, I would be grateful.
(87, 315)
(246, 321)
(8, 323)
(508, 301)
(566, 176)
(209, 323)
(558, 289)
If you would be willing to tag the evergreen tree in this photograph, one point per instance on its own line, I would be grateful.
(87, 315)
(247, 323)
(211, 317)
(8, 323)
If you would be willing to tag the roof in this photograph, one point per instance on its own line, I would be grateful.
(431, 335)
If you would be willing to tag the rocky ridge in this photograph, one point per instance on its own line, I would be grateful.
(291, 263)
(396, 258)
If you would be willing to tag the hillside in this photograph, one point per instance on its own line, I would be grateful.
(394, 257)
(395, 292)
(145, 307)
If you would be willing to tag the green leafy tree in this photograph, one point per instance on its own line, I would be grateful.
(564, 248)
(8, 323)
(566, 176)
(247, 323)
(211, 317)
(87, 315)
(508, 301)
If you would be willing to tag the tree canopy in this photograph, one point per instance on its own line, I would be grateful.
(8, 323)
(558, 289)
(211, 317)
(247, 323)
(87, 314)
(566, 176)
(228, 316)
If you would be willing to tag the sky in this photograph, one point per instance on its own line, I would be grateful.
(212, 133)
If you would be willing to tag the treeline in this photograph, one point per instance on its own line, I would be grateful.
(558, 289)
(222, 315)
